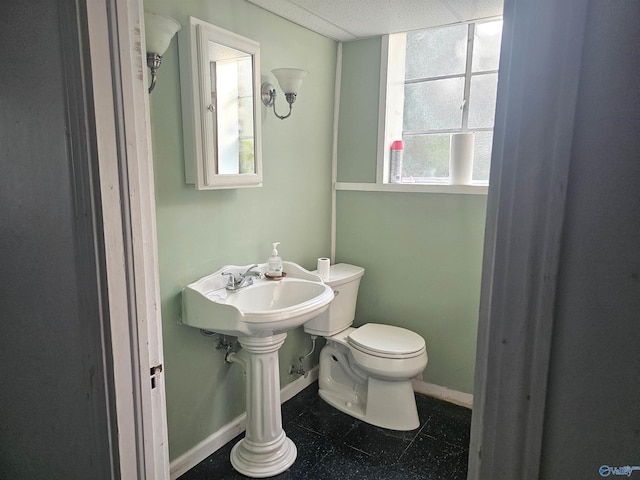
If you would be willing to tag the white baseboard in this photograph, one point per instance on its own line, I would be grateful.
(202, 450)
(220, 438)
(443, 393)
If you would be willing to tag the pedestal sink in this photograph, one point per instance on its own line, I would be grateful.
(259, 315)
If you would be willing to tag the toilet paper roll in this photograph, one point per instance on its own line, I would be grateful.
(461, 158)
(324, 269)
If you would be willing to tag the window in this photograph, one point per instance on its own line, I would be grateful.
(440, 81)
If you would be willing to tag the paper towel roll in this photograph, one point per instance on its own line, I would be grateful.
(461, 158)
(324, 268)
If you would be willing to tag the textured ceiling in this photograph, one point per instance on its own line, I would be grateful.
(346, 20)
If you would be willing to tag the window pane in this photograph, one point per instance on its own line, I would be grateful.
(436, 52)
(482, 156)
(486, 46)
(425, 156)
(433, 105)
(482, 100)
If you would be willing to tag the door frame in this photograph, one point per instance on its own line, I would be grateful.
(123, 142)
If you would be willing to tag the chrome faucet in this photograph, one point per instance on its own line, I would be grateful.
(239, 280)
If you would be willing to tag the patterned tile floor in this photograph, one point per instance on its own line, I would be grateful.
(333, 445)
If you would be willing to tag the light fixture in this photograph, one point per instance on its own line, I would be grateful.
(158, 32)
(290, 80)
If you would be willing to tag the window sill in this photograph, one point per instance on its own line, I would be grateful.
(414, 188)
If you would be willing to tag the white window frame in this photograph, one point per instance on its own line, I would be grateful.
(390, 119)
(398, 63)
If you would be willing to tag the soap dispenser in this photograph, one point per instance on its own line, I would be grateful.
(274, 265)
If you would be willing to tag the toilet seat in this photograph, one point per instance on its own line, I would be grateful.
(386, 341)
(393, 366)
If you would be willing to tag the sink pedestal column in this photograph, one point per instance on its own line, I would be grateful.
(265, 450)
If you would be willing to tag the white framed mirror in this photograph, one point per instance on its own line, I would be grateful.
(220, 83)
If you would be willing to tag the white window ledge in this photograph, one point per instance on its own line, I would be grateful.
(414, 188)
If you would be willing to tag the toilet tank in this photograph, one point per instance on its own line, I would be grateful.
(344, 279)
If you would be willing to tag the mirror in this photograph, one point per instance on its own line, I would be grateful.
(219, 73)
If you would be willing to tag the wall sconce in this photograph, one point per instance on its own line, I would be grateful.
(158, 32)
(290, 80)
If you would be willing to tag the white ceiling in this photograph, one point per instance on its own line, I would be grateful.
(346, 20)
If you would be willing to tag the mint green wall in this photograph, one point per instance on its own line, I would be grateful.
(422, 252)
(200, 231)
(358, 124)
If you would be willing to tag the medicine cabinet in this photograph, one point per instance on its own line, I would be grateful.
(219, 77)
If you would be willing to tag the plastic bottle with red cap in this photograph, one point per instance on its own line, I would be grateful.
(395, 175)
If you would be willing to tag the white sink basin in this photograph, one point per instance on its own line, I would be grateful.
(265, 308)
(259, 315)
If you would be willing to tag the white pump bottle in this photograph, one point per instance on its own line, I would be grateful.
(274, 265)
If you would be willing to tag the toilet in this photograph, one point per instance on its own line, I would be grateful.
(366, 371)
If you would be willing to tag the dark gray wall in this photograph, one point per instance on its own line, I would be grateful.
(593, 413)
(54, 421)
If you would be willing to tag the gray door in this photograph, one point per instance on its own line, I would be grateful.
(55, 421)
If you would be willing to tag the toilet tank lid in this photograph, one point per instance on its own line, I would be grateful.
(343, 272)
(386, 339)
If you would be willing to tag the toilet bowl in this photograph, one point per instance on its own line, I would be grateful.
(366, 371)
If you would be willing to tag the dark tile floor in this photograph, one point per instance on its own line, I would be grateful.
(334, 445)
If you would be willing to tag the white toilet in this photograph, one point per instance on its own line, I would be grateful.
(366, 372)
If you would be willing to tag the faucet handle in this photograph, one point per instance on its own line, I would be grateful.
(233, 280)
